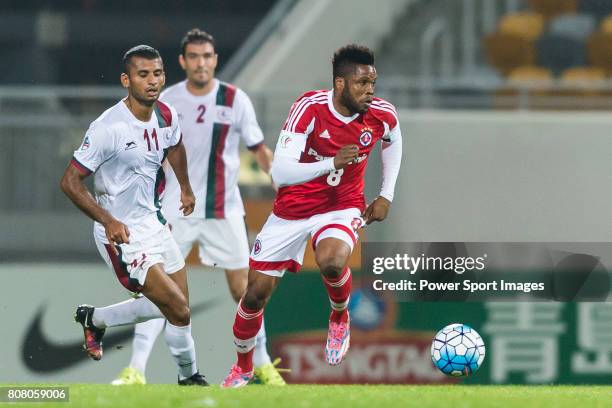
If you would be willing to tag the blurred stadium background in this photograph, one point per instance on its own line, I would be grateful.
(504, 110)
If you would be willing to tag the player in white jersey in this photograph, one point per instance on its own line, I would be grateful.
(214, 117)
(124, 148)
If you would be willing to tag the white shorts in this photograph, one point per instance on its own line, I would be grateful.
(135, 259)
(281, 243)
(221, 242)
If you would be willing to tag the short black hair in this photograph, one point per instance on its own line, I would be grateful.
(197, 36)
(347, 57)
(143, 51)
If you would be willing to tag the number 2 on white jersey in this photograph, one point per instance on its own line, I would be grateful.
(334, 177)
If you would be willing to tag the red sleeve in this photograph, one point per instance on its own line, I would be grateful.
(385, 112)
(302, 112)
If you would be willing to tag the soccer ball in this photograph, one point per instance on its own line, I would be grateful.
(457, 350)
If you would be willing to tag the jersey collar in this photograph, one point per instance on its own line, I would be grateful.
(133, 118)
(341, 118)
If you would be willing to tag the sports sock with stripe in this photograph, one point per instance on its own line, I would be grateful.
(246, 326)
(182, 348)
(339, 292)
(129, 312)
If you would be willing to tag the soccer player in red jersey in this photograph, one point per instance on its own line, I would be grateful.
(319, 167)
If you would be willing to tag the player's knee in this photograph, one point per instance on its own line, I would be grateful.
(332, 270)
(255, 298)
(330, 264)
(183, 315)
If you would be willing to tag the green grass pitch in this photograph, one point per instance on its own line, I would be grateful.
(303, 396)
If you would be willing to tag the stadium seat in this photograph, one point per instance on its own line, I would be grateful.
(551, 8)
(575, 26)
(606, 24)
(599, 8)
(583, 75)
(538, 80)
(582, 88)
(560, 52)
(599, 50)
(584, 81)
(524, 24)
(506, 52)
(532, 76)
(530, 82)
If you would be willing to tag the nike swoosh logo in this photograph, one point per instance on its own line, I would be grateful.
(41, 355)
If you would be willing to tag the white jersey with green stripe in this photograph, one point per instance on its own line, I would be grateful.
(125, 155)
(212, 125)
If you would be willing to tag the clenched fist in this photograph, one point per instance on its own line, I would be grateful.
(345, 156)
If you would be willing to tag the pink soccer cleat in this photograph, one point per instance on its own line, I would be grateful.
(237, 378)
(338, 342)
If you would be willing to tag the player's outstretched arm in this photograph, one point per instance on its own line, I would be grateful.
(72, 185)
(178, 160)
(391, 161)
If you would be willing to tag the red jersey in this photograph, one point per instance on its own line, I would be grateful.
(313, 115)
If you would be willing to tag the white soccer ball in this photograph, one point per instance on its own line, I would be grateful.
(457, 350)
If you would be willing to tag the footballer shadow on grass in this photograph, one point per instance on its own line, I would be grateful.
(44, 356)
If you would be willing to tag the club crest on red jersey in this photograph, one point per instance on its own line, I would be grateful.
(257, 247)
(366, 136)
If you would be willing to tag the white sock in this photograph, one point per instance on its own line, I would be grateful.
(129, 312)
(144, 338)
(260, 355)
(182, 348)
